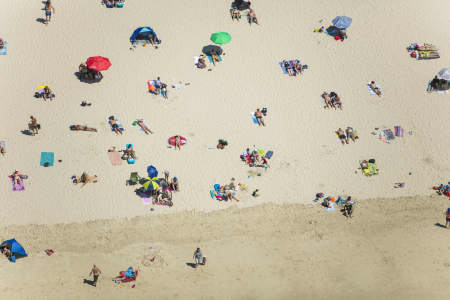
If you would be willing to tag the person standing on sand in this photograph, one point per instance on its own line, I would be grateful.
(198, 257)
(95, 272)
(33, 125)
(48, 11)
(447, 218)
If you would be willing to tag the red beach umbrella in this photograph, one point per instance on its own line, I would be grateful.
(98, 63)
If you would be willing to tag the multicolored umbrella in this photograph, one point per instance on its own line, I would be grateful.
(220, 38)
(98, 63)
(150, 184)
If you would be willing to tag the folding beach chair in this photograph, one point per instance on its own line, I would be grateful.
(134, 178)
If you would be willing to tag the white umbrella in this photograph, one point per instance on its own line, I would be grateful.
(444, 74)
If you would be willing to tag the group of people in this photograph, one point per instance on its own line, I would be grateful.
(226, 192)
(332, 100)
(294, 67)
(346, 204)
(239, 5)
(85, 73)
(346, 135)
(254, 159)
(438, 85)
(113, 3)
(45, 94)
(160, 88)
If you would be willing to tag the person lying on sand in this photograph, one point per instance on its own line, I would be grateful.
(252, 17)
(84, 179)
(82, 128)
(2, 150)
(335, 100)
(2, 43)
(259, 117)
(327, 100)
(374, 88)
(341, 134)
(17, 177)
(144, 127)
(129, 152)
(235, 14)
(351, 134)
(177, 142)
(298, 68)
(215, 57)
(114, 125)
(288, 68)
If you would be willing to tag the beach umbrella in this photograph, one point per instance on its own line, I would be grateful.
(98, 63)
(342, 22)
(41, 88)
(444, 74)
(208, 49)
(150, 183)
(220, 38)
(152, 172)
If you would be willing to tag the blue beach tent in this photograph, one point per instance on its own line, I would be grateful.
(143, 34)
(16, 249)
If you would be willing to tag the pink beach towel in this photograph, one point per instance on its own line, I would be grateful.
(115, 158)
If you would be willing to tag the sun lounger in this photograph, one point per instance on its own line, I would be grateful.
(4, 50)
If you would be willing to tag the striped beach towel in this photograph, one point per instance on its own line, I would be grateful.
(398, 131)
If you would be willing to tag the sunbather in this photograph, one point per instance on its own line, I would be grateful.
(335, 100)
(298, 67)
(327, 100)
(235, 14)
(259, 117)
(288, 68)
(201, 64)
(144, 127)
(84, 179)
(82, 128)
(48, 93)
(33, 125)
(351, 134)
(177, 142)
(252, 17)
(221, 144)
(114, 125)
(2, 43)
(2, 150)
(342, 136)
(129, 152)
(215, 57)
(374, 88)
(6, 252)
(17, 177)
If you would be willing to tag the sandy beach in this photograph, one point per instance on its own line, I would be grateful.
(391, 249)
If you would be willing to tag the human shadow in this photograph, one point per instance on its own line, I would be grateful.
(89, 282)
(27, 132)
(193, 266)
(85, 79)
(440, 225)
(40, 20)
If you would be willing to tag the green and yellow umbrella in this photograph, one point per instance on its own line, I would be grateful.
(221, 38)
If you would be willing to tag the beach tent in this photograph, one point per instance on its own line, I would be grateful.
(444, 74)
(342, 22)
(143, 34)
(16, 249)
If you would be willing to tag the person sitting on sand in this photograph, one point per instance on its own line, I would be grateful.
(351, 134)
(2, 43)
(33, 125)
(374, 88)
(114, 125)
(129, 152)
(144, 127)
(84, 179)
(201, 64)
(48, 93)
(17, 177)
(327, 100)
(6, 252)
(341, 134)
(288, 68)
(177, 139)
(259, 117)
(235, 14)
(298, 68)
(174, 184)
(230, 195)
(335, 100)
(82, 128)
(252, 17)
(215, 57)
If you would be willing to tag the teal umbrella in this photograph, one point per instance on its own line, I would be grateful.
(221, 38)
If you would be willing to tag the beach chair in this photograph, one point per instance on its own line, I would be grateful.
(134, 178)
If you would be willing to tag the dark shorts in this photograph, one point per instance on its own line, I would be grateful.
(95, 278)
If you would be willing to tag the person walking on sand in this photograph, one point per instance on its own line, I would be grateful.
(33, 125)
(198, 257)
(447, 218)
(48, 11)
(95, 272)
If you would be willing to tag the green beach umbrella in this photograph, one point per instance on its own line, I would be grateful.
(221, 38)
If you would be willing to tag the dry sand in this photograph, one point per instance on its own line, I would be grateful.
(280, 250)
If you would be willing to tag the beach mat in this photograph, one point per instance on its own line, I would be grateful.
(17, 187)
(115, 158)
(4, 50)
(254, 118)
(371, 92)
(211, 60)
(47, 159)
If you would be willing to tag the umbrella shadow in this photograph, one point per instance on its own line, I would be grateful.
(193, 266)
(40, 20)
(85, 80)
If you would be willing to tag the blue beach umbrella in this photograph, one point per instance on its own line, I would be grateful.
(152, 172)
(342, 22)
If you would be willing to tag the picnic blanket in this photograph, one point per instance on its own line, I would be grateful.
(371, 92)
(47, 159)
(17, 187)
(4, 50)
(118, 123)
(115, 158)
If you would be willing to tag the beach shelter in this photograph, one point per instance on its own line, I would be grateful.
(98, 63)
(150, 183)
(342, 22)
(152, 172)
(444, 74)
(210, 48)
(16, 249)
(220, 38)
(143, 34)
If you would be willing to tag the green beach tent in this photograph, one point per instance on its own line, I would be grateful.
(221, 38)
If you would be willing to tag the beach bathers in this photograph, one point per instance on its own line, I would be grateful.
(115, 126)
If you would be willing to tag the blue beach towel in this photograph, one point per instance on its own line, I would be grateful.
(4, 50)
(210, 58)
(118, 123)
(269, 154)
(47, 158)
(254, 118)
(283, 68)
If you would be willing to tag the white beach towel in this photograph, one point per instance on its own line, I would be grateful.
(196, 58)
(371, 91)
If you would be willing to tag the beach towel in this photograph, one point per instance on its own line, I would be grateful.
(389, 134)
(399, 132)
(196, 58)
(283, 68)
(118, 123)
(115, 158)
(146, 201)
(254, 118)
(17, 187)
(47, 159)
(211, 60)
(4, 50)
(3, 144)
(269, 154)
(331, 208)
(371, 92)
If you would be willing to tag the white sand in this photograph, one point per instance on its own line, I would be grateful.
(308, 156)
